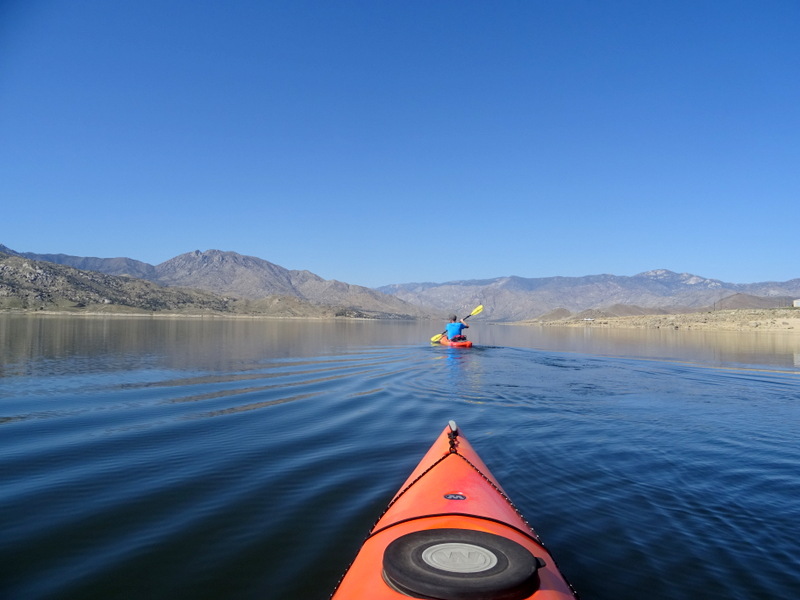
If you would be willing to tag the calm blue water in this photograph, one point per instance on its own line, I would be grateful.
(248, 459)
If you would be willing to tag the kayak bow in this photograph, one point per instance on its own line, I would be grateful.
(452, 533)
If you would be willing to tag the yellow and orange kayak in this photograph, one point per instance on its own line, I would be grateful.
(455, 344)
(452, 533)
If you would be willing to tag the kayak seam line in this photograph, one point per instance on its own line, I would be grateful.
(527, 534)
(454, 451)
(506, 498)
(404, 490)
(524, 520)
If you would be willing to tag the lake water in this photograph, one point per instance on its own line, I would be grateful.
(244, 459)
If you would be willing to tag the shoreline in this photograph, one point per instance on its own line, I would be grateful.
(745, 319)
(765, 319)
(182, 315)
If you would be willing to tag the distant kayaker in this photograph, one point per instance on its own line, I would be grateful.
(454, 329)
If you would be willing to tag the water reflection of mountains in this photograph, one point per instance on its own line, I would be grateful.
(173, 343)
(121, 343)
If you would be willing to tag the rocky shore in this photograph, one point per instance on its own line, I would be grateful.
(765, 319)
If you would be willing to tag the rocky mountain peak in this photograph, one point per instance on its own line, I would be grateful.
(673, 278)
(226, 272)
(658, 274)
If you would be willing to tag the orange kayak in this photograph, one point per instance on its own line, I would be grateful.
(452, 533)
(459, 344)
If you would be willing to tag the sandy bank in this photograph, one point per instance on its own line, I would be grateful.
(767, 319)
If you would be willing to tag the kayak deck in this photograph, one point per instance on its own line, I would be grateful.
(452, 533)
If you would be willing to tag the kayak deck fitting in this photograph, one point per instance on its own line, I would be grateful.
(452, 533)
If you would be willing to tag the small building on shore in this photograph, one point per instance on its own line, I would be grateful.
(796, 303)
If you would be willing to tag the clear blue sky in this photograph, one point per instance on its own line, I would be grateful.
(380, 142)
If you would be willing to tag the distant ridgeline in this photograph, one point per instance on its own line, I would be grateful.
(231, 282)
(212, 281)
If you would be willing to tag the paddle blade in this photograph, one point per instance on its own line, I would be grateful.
(437, 337)
(478, 309)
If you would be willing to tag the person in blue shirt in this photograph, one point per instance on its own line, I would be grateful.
(454, 329)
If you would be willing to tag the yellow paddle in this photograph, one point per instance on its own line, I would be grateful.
(477, 310)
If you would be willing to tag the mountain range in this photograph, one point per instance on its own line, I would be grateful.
(651, 292)
(231, 276)
(238, 283)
